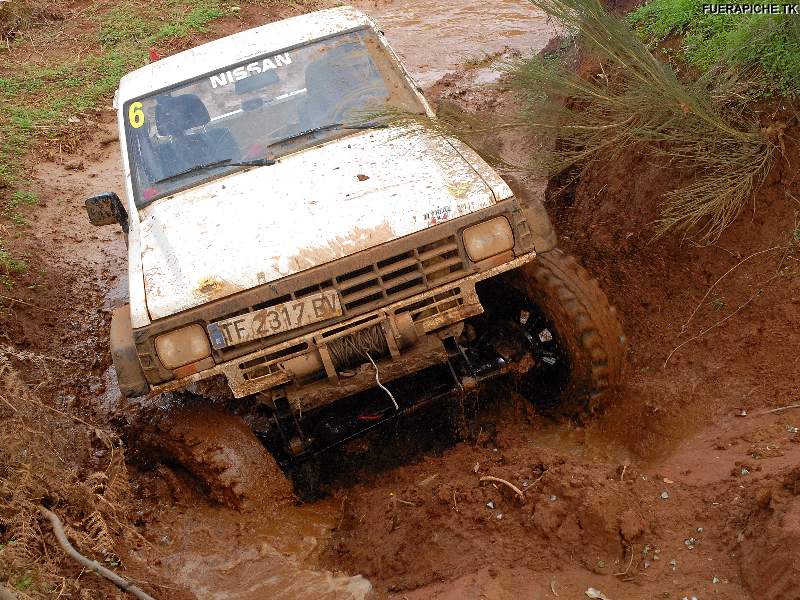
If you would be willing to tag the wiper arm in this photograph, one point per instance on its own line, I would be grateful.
(256, 162)
(370, 125)
(307, 132)
(194, 169)
(302, 134)
(227, 162)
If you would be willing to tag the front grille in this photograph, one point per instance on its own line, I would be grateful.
(378, 284)
(400, 276)
(433, 305)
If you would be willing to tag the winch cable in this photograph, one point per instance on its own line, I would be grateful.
(380, 385)
(344, 350)
(350, 350)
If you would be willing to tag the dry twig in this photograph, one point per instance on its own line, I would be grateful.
(510, 485)
(625, 572)
(780, 409)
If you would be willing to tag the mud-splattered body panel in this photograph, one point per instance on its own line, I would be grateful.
(311, 208)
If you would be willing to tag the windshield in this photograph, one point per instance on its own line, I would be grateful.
(251, 113)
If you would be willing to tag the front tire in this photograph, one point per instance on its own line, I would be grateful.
(221, 452)
(579, 345)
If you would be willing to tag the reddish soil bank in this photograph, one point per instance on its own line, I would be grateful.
(701, 354)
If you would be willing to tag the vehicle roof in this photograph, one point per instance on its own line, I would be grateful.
(237, 48)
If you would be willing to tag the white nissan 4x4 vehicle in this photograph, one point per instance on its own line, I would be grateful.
(334, 269)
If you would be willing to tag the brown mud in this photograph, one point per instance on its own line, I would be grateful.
(668, 494)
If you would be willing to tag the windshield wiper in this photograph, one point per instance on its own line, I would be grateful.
(313, 130)
(302, 134)
(255, 162)
(194, 169)
(227, 162)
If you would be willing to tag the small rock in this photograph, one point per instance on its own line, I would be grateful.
(665, 495)
(553, 498)
(601, 564)
(499, 516)
(596, 594)
(690, 543)
(745, 472)
(699, 530)
(647, 564)
(674, 564)
(666, 480)
(742, 413)
(490, 504)
(525, 483)
(715, 579)
(791, 429)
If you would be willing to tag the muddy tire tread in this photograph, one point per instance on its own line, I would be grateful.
(565, 290)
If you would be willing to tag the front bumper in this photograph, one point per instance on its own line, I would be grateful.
(305, 369)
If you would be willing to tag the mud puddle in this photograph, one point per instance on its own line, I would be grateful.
(220, 554)
(434, 38)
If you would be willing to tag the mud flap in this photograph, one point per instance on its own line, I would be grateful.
(542, 232)
(130, 376)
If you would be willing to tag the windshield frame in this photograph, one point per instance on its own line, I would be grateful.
(219, 171)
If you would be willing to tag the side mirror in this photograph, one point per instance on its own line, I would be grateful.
(107, 209)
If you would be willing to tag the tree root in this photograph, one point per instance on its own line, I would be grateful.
(93, 565)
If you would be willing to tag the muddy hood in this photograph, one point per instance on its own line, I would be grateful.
(312, 207)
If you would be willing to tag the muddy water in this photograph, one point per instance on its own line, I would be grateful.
(269, 555)
(434, 37)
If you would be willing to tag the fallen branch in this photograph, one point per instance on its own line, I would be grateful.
(724, 275)
(93, 565)
(780, 409)
(721, 321)
(511, 486)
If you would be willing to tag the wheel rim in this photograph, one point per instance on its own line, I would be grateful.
(545, 382)
(510, 311)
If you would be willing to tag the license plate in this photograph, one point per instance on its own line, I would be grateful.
(275, 319)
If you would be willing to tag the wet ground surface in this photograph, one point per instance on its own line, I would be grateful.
(436, 38)
(610, 504)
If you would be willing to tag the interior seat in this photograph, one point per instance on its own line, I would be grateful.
(175, 117)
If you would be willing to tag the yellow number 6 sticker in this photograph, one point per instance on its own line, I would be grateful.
(136, 115)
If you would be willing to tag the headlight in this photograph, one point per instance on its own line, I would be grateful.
(488, 239)
(182, 346)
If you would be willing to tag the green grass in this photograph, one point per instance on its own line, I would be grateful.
(761, 50)
(38, 102)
